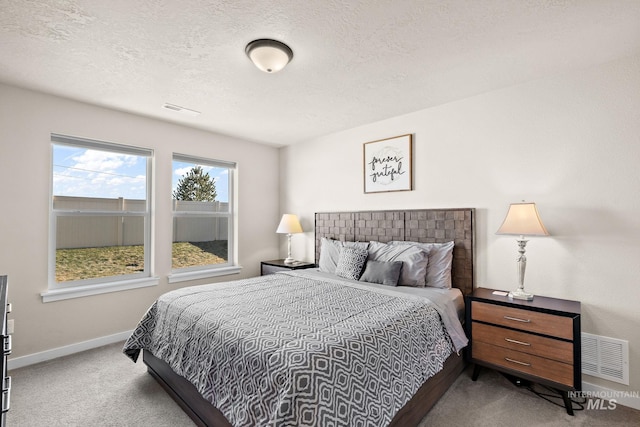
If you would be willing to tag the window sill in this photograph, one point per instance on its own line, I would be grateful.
(203, 274)
(100, 288)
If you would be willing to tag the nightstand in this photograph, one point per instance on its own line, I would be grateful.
(273, 266)
(536, 340)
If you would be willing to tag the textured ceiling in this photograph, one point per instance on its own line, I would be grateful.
(354, 62)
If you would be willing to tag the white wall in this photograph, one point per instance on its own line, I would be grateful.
(26, 121)
(569, 143)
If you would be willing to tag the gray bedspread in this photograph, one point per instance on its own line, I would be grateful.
(291, 349)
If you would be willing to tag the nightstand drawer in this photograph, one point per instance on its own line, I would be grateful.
(522, 362)
(276, 265)
(270, 269)
(526, 320)
(550, 348)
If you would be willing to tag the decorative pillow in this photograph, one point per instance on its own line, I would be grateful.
(351, 261)
(414, 261)
(330, 253)
(386, 273)
(440, 261)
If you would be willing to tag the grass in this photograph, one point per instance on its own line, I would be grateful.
(91, 263)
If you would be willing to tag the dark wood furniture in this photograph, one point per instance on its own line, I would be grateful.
(536, 340)
(273, 266)
(426, 225)
(6, 349)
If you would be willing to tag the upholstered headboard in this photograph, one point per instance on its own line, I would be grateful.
(423, 225)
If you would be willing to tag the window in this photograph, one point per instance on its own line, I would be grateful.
(203, 218)
(100, 224)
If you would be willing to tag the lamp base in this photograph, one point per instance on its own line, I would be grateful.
(521, 294)
(289, 260)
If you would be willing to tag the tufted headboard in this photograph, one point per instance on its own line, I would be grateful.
(421, 225)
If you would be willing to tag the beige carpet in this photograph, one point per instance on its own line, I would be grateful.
(493, 401)
(95, 388)
(102, 387)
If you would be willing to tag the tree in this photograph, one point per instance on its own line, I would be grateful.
(196, 185)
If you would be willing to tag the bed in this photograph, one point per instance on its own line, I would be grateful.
(299, 379)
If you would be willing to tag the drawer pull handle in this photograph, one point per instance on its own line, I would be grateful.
(517, 361)
(516, 341)
(7, 345)
(517, 320)
(6, 394)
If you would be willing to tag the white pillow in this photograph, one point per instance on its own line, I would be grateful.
(440, 262)
(414, 261)
(330, 253)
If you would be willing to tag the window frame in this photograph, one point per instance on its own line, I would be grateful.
(84, 287)
(209, 270)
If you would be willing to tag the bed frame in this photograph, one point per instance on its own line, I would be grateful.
(426, 226)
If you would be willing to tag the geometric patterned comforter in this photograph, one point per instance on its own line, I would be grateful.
(294, 350)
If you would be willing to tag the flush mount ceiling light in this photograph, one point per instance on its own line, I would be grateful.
(269, 55)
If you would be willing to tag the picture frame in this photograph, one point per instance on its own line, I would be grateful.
(388, 164)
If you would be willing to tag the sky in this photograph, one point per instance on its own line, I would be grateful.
(83, 172)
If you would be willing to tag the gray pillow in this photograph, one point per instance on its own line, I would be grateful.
(351, 261)
(414, 261)
(386, 273)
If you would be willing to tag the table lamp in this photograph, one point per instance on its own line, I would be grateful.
(289, 225)
(522, 219)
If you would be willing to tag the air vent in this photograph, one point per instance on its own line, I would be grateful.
(605, 357)
(180, 109)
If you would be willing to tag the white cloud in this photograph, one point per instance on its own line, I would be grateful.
(92, 173)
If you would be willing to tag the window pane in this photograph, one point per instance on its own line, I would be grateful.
(89, 247)
(201, 183)
(200, 241)
(202, 207)
(92, 183)
(86, 172)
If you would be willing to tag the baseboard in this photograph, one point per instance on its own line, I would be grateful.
(31, 359)
(630, 399)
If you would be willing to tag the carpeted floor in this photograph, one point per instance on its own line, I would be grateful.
(95, 388)
(493, 401)
(103, 388)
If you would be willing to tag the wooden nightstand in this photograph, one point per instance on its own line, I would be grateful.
(273, 266)
(535, 340)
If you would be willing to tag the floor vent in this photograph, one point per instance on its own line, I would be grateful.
(605, 357)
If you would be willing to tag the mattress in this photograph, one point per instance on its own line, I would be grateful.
(302, 348)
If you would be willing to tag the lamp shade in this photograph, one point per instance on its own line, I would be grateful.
(268, 55)
(289, 224)
(523, 219)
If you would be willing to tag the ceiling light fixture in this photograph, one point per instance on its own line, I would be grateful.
(180, 109)
(269, 55)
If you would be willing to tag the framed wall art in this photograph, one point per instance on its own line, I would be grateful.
(388, 164)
